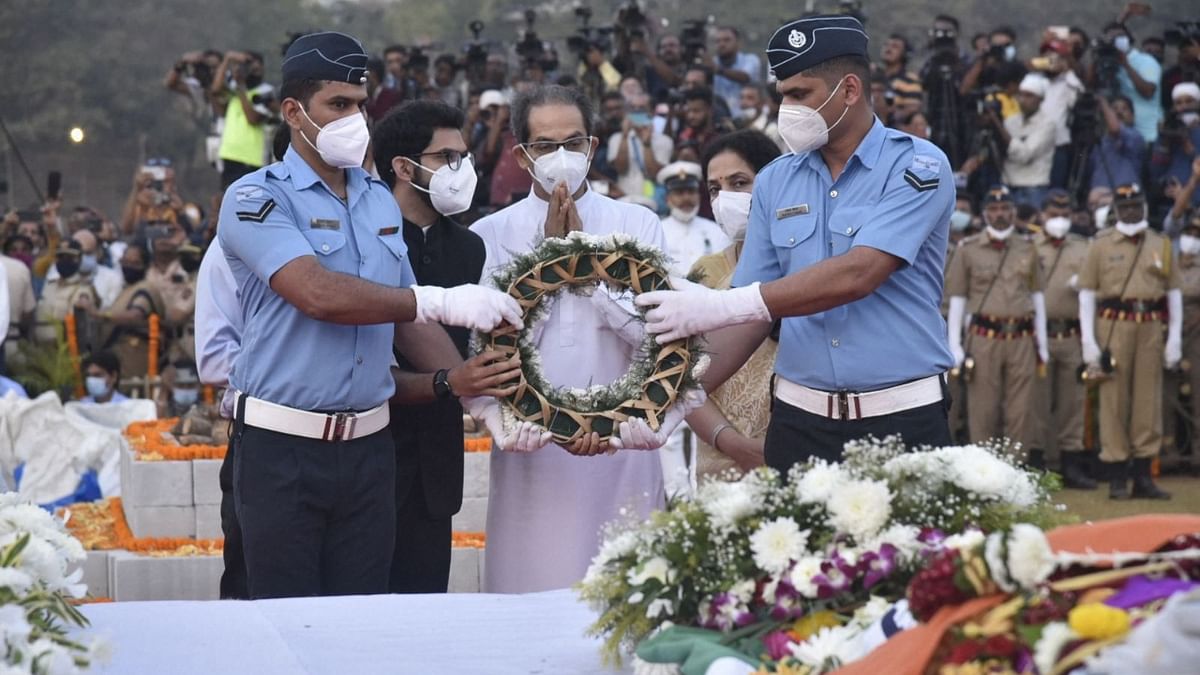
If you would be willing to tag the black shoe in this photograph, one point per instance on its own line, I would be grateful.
(1074, 477)
(1118, 480)
(1143, 484)
(1036, 460)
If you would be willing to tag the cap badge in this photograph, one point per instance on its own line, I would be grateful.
(797, 39)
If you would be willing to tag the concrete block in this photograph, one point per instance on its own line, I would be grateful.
(476, 471)
(161, 521)
(135, 577)
(206, 483)
(208, 521)
(155, 483)
(464, 570)
(472, 517)
(95, 573)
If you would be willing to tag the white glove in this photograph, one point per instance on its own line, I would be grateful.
(954, 328)
(956, 350)
(524, 437)
(1043, 353)
(1173, 354)
(1091, 353)
(1040, 336)
(617, 310)
(470, 306)
(695, 309)
(1174, 351)
(1087, 327)
(635, 433)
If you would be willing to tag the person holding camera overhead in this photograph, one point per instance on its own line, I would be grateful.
(249, 104)
(1120, 66)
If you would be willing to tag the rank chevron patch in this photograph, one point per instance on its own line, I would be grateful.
(919, 184)
(257, 216)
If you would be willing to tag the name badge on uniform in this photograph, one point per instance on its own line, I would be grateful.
(385, 231)
(325, 224)
(798, 210)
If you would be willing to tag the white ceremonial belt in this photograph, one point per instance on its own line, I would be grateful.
(345, 426)
(846, 405)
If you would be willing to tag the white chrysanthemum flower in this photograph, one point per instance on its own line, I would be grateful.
(827, 649)
(964, 541)
(820, 482)
(14, 626)
(802, 574)
(979, 471)
(871, 612)
(904, 537)
(993, 554)
(728, 503)
(659, 607)
(777, 543)
(861, 508)
(1055, 636)
(657, 568)
(1022, 493)
(1030, 559)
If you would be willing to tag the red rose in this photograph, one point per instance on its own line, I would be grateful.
(965, 652)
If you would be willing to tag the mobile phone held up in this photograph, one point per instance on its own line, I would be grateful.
(54, 185)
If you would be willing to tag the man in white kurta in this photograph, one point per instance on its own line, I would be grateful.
(546, 507)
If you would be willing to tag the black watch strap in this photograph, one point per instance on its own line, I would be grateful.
(441, 385)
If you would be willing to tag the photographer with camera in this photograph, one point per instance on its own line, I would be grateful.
(1062, 91)
(597, 75)
(941, 76)
(249, 105)
(191, 77)
(665, 64)
(636, 152)
(1028, 140)
(1179, 138)
(985, 70)
(1119, 67)
(153, 198)
(733, 68)
(1118, 155)
(1186, 40)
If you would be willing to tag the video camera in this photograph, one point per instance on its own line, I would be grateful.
(587, 36)
(694, 38)
(631, 22)
(1186, 33)
(475, 51)
(529, 45)
(1108, 66)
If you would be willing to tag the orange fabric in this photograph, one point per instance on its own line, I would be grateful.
(909, 652)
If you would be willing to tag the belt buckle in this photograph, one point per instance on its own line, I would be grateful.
(340, 432)
(843, 402)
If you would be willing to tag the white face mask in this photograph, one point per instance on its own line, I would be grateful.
(1121, 42)
(87, 264)
(1189, 118)
(1058, 227)
(1000, 235)
(1189, 245)
(560, 166)
(803, 129)
(1132, 229)
(343, 142)
(1101, 217)
(450, 191)
(731, 210)
(959, 221)
(185, 398)
(684, 216)
(96, 386)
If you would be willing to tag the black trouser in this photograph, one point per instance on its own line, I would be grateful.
(421, 559)
(794, 435)
(317, 517)
(231, 171)
(233, 578)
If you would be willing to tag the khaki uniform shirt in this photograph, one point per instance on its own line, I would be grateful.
(978, 262)
(177, 290)
(58, 300)
(1061, 259)
(1110, 261)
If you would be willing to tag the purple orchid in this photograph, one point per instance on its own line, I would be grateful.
(787, 604)
(878, 565)
(726, 612)
(778, 645)
(835, 578)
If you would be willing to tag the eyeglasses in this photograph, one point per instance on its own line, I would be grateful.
(542, 148)
(452, 158)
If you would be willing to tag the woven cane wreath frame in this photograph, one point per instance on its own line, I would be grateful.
(581, 261)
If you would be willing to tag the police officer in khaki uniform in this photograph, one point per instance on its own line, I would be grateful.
(1189, 376)
(1129, 286)
(1062, 395)
(997, 277)
(60, 296)
(125, 326)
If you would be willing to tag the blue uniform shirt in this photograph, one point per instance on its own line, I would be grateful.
(896, 195)
(282, 212)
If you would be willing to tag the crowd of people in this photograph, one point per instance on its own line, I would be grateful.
(1092, 132)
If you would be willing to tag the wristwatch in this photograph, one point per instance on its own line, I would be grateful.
(441, 385)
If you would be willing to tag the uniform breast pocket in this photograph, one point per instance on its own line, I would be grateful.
(1019, 270)
(325, 243)
(389, 265)
(982, 274)
(844, 225)
(794, 242)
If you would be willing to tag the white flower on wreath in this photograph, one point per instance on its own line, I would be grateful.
(14, 625)
(659, 607)
(1055, 636)
(904, 537)
(777, 543)
(14, 579)
(1030, 559)
(657, 568)
(979, 471)
(860, 508)
(993, 554)
(802, 574)
(827, 649)
(964, 541)
(820, 482)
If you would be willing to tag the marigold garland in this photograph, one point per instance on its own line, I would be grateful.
(482, 444)
(149, 441)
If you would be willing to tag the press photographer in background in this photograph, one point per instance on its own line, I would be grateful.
(153, 198)
(1179, 139)
(1118, 67)
(249, 105)
(191, 77)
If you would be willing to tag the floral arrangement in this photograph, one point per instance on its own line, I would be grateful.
(1061, 610)
(36, 591)
(791, 573)
(151, 441)
(658, 374)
